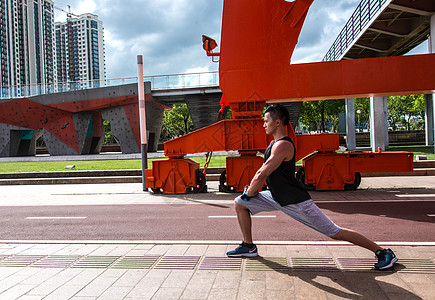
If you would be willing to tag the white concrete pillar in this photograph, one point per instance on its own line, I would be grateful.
(428, 119)
(386, 124)
(431, 35)
(378, 123)
(350, 124)
(430, 99)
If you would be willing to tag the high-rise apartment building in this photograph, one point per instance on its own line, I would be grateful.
(80, 49)
(35, 50)
(27, 42)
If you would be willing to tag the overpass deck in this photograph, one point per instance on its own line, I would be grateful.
(379, 28)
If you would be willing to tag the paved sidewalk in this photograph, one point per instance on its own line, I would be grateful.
(200, 270)
(183, 271)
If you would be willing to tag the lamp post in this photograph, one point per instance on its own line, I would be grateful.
(142, 118)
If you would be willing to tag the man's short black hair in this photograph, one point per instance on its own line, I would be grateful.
(278, 111)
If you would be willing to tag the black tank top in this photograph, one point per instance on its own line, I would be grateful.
(283, 185)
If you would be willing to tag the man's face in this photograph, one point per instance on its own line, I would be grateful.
(270, 125)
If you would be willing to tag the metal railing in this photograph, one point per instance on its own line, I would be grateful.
(362, 15)
(182, 81)
(159, 82)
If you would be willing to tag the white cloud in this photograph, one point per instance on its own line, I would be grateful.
(198, 70)
(168, 32)
(324, 22)
(76, 8)
(87, 6)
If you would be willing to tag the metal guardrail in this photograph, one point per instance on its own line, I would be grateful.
(159, 82)
(362, 15)
(182, 81)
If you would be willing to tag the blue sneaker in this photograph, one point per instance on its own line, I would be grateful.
(243, 250)
(386, 259)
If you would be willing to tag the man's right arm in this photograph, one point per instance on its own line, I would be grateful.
(281, 151)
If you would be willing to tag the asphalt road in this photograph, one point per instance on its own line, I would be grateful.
(401, 220)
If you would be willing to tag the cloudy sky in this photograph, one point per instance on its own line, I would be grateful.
(168, 32)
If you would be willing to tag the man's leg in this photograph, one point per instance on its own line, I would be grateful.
(310, 214)
(356, 238)
(247, 247)
(245, 222)
(262, 202)
(386, 257)
(313, 217)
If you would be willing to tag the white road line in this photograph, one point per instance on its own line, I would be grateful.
(205, 242)
(228, 217)
(54, 218)
(431, 215)
(415, 195)
(374, 201)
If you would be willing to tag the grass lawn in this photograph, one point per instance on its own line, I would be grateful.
(216, 161)
(417, 150)
(49, 166)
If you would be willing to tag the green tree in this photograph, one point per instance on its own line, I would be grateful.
(317, 114)
(309, 115)
(332, 110)
(362, 112)
(419, 110)
(108, 137)
(176, 122)
(401, 109)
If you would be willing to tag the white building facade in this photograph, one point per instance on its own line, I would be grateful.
(36, 53)
(80, 53)
(27, 53)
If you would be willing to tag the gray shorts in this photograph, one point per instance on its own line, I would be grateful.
(307, 212)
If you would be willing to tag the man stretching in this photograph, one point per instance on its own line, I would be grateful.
(286, 194)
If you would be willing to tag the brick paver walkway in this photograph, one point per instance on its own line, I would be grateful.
(175, 270)
(182, 271)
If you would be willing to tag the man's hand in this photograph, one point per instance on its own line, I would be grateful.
(245, 195)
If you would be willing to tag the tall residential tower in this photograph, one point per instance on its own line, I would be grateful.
(80, 49)
(27, 42)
